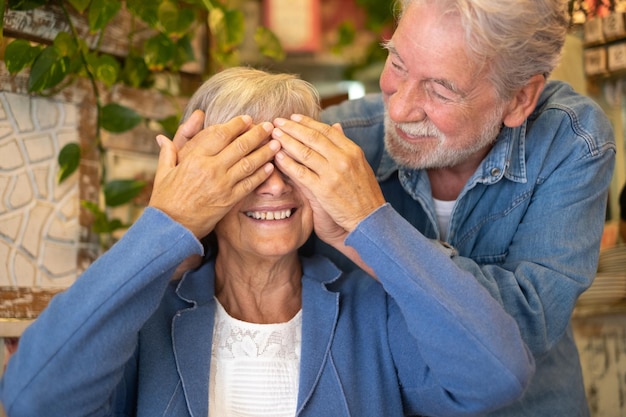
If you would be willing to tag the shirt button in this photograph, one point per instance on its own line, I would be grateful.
(495, 172)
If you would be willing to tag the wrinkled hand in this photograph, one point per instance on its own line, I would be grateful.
(224, 164)
(323, 160)
(187, 130)
(324, 226)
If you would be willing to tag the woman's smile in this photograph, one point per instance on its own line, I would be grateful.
(270, 215)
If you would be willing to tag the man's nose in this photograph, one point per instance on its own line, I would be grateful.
(405, 105)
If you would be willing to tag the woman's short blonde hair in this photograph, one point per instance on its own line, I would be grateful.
(262, 95)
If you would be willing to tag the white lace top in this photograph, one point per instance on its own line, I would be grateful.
(255, 368)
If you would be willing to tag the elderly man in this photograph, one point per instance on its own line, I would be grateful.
(473, 145)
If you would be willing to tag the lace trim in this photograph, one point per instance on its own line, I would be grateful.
(255, 368)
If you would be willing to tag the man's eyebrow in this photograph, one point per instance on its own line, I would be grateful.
(447, 84)
(392, 49)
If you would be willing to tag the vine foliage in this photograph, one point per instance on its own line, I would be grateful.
(172, 25)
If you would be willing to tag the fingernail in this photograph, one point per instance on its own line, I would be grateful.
(277, 133)
(160, 139)
(267, 126)
(274, 145)
(296, 117)
(268, 167)
(246, 118)
(280, 156)
(279, 122)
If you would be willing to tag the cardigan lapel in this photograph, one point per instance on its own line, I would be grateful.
(192, 338)
(320, 311)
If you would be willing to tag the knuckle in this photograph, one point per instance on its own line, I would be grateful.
(193, 165)
(217, 133)
(242, 145)
(343, 165)
(300, 172)
(307, 154)
(326, 130)
(247, 185)
(246, 166)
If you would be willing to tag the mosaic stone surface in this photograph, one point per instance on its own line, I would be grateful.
(39, 226)
(601, 342)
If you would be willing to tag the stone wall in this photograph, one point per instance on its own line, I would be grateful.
(39, 228)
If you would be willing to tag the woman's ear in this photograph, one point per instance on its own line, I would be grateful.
(524, 101)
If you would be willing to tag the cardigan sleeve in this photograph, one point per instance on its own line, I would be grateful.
(71, 358)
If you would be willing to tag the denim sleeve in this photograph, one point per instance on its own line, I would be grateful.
(463, 334)
(552, 254)
(70, 360)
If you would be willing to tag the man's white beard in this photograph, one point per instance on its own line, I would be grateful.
(433, 152)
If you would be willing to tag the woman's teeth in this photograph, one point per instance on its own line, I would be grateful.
(269, 215)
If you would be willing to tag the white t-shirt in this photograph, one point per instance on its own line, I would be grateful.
(443, 210)
(255, 368)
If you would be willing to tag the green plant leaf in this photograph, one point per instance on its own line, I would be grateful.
(101, 12)
(216, 20)
(184, 52)
(19, 54)
(118, 192)
(378, 13)
(144, 10)
(101, 222)
(269, 44)
(91, 59)
(117, 118)
(173, 19)
(228, 26)
(170, 124)
(69, 160)
(115, 224)
(135, 71)
(346, 34)
(107, 70)
(235, 27)
(76, 63)
(65, 44)
(210, 5)
(159, 52)
(26, 4)
(226, 59)
(79, 5)
(100, 219)
(48, 70)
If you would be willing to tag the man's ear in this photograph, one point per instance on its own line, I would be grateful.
(524, 101)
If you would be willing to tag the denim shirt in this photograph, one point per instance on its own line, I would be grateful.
(527, 224)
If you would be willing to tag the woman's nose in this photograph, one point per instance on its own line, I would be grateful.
(275, 185)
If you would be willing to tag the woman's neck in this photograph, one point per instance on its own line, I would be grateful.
(259, 290)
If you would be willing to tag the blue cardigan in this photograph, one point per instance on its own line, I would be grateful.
(124, 340)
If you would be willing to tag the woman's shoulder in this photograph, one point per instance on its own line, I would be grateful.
(355, 284)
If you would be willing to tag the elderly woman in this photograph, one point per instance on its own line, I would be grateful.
(257, 329)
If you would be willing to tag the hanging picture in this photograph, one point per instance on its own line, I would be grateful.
(297, 23)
